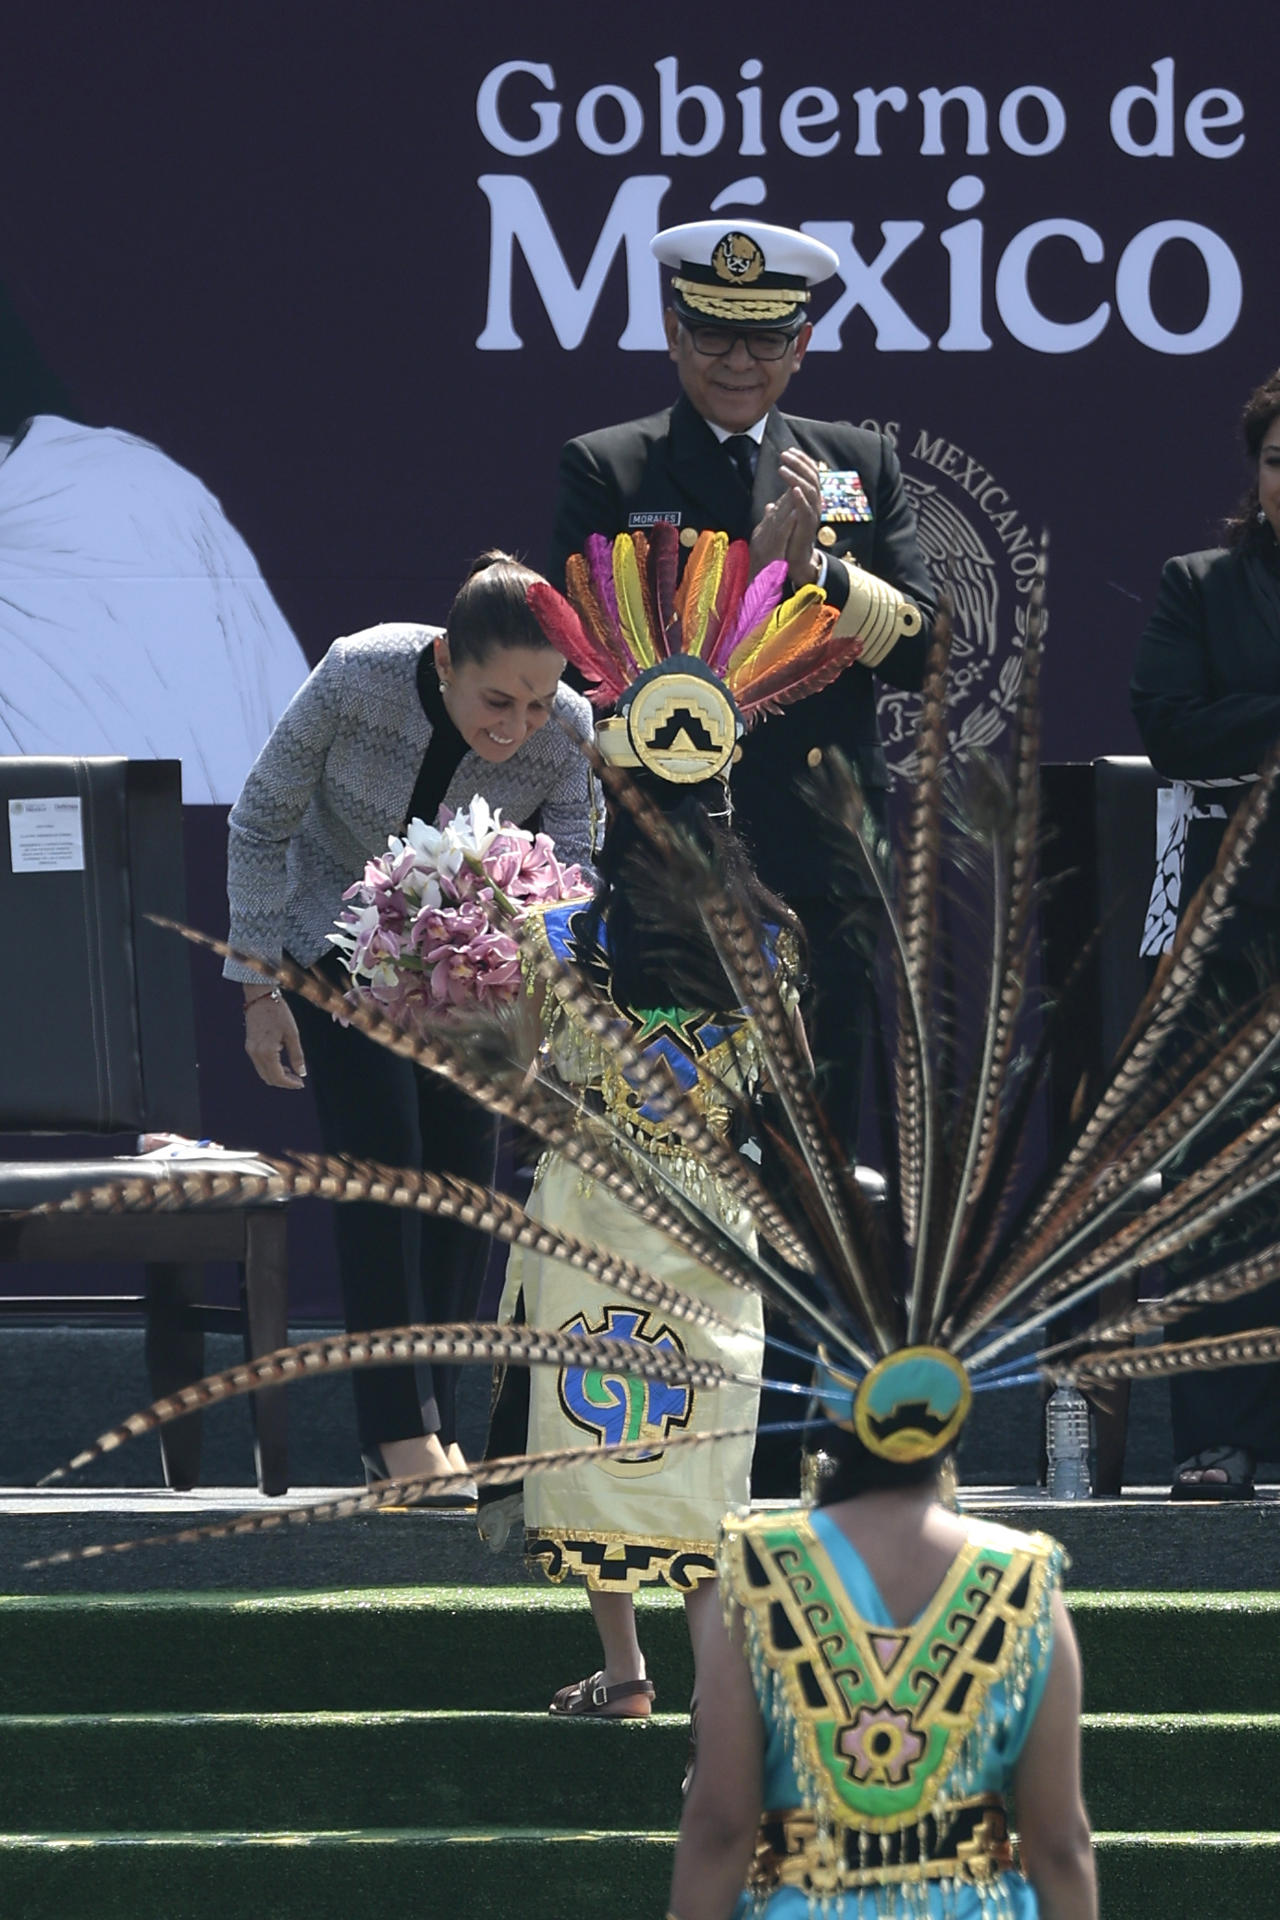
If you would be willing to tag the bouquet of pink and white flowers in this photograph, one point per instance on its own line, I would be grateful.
(434, 924)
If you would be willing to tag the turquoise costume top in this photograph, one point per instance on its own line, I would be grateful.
(888, 1750)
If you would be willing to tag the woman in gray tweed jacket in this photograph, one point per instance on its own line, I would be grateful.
(393, 722)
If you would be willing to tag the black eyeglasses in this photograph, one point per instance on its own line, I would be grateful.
(716, 343)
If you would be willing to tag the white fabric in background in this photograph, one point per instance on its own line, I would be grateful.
(133, 617)
(1176, 807)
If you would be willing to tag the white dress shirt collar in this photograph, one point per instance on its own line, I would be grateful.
(755, 433)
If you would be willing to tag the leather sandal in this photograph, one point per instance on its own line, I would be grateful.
(1237, 1463)
(588, 1699)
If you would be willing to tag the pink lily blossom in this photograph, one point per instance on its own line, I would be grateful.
(433, 924)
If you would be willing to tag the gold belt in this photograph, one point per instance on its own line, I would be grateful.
(969, 1843)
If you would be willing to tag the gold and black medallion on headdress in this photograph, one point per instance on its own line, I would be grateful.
(910, 1406)
(678, 721)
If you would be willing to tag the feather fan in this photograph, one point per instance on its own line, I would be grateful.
(952, 1270)
(467, 1344)
(506, 1472)
(557, 1120)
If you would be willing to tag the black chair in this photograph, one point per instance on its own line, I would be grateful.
(1099, 857)
(97, 1037)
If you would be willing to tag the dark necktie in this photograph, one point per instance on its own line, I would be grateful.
(741, 449)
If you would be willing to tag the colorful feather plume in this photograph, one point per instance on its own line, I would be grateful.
(598, 553)
(629, 597)
(624, 612)
(609, 666)
(753, 610)
(734, 577)
(817, 657)
(789, 628)
(603, 671)
(696, 594)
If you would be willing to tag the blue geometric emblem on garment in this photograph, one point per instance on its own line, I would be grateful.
(681, 1037)
(618, 1408)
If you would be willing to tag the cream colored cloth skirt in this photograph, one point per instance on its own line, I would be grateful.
(623, 1525)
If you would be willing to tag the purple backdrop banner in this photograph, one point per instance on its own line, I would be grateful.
(361, 269)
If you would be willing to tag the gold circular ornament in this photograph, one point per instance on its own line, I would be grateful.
(738, 259)
(912, 1404)
(688, 536)
(681, 722)
(826, 536)
(814, 757)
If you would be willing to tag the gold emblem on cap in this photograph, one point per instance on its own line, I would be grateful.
(738, 259)
(826, 536)
(814, 757)
(688, 536)
(682, 727)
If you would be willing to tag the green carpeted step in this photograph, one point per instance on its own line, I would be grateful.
(323, 1771)
(509, 1648)
(1168, 1773)
(1160, 1773)
(1188, 1876)
(516, 1872)
(512, 1874)
(1179, 1652)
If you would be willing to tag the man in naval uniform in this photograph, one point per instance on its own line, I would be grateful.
(826, 496)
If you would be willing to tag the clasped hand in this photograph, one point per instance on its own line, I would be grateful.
(789, 525)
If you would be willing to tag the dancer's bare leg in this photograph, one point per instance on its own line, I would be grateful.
(615, 1618)
(700, 1605)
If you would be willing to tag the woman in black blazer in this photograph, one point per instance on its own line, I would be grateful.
(1206, 697)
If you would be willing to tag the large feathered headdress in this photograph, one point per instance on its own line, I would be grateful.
(687, 668)
(908, 1309)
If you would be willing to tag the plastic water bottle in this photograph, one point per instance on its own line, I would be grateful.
(1066, 1427)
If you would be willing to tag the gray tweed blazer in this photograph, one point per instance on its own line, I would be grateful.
(336, 777)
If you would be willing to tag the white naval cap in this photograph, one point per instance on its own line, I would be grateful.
(749, 273)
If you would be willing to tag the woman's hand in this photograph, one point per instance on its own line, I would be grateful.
(269, 1033)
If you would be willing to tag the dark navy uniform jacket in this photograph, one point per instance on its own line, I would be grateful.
(671, 467)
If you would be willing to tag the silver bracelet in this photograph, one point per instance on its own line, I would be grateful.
(272, 993)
